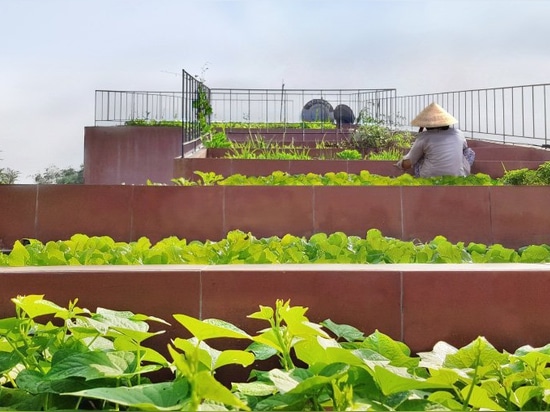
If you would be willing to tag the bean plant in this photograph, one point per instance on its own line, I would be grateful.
(55, 358)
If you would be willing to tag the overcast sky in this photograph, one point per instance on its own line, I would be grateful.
(56, 53)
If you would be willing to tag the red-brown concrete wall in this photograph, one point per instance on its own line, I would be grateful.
(417, 304)
(130, 154)
(512, 215)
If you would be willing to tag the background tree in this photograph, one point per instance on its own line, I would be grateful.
(55, 175)
(8, 176)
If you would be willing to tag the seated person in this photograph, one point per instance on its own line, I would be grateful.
(440, 150)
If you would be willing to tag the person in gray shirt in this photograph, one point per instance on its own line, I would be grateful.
(440, 150)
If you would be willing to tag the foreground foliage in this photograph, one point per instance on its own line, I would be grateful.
(71, 358)
(243, 248)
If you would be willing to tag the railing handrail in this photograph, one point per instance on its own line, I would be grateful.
(478, 90)
(304, 90)
(518, 113)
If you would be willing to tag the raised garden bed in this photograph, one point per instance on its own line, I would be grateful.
(491, 159)
(418, 304)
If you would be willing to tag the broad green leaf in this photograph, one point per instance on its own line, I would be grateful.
(312, 384)
(120, 319)
(146, 354)
(346, 332)
(283, 402)
(9, 325)
(268, 338)
(234, 357)
(55, 257)
(535, 360)
(477, 353)
(492, 387)
(445, 399)
(36, 305)
(8, 360)
(32, 381)
(415, 404)
(199, 350)
(209, 388)
(148, 318)
(393, 380)
(254, 388)
(225, 325)
(92, 365)
(262, 351)
(397, 352)
(523, 350)
(535, 254)
(15, 399)
(164, 396)
(305, 328)
(282, 380)
(203, 330)
(313, 350)
(436, 358)
(19, 255)
(137, 336)
(444, 376)
(478, 398)
(524, 394)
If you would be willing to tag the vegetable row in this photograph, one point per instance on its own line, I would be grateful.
(239, 247)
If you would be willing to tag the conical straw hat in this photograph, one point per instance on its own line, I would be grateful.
(433, 116)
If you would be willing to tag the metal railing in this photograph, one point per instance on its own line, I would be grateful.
(284, 106)
(516, 114)
(115, 107)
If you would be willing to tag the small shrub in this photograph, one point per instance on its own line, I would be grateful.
(349, 154)
(391, 154)
(543, 173)
(216, 140)
(538, 177)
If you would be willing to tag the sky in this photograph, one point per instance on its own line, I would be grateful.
(55, 53)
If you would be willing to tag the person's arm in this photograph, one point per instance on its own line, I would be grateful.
(415, 153)
(406, 164)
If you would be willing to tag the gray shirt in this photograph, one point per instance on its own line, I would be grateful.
(440, 153)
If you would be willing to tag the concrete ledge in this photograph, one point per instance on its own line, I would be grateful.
(510, 215)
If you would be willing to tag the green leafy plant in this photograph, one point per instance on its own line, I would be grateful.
(196, 361)
(219, 140)
(243, 248)
(524, 176)
(349, 154)
(273, 125)
(390, 154)
(203, 108)
(88, 360)
(45, 365)
(153, 122)
(257, 147)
